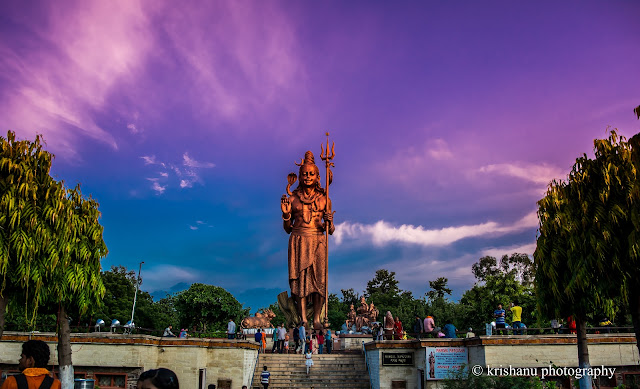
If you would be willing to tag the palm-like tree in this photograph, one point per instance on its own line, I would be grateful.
(579, 257)
(27, 206)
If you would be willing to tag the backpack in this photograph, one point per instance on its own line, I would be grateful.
(21, 380)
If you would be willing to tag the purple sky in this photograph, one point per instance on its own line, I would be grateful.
(449, 119)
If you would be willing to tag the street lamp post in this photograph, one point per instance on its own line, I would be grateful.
(135, 296)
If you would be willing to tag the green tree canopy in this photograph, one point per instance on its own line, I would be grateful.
(209, 307)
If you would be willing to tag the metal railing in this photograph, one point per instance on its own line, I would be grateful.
(366, 362)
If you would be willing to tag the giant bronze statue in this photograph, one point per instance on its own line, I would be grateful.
(308, 218)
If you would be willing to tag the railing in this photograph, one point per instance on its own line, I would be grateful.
(366, 362)
(534, 331)
(254, 369)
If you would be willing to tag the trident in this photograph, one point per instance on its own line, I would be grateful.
(327, 157)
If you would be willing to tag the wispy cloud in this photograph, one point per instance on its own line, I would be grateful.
(439, 149)
(540, 174)
(498, 252)
(383, 233)
(163, 276)
(68, 75)
(186, 172)
(190, 162)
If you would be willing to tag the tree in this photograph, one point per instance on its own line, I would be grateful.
(209, 307)
(51, 242)
(582, 252)
(498, 283)
(636, 110)
(438, 289)
(29, 205)
(120, 289)
(74, 282)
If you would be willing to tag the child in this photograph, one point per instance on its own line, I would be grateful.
(286, 344)
(308, 361)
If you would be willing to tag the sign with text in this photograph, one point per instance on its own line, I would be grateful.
(444, 361)
(397, 359)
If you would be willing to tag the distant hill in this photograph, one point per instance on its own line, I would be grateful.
(160, 294)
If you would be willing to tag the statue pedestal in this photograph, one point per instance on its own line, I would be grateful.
(353, 342)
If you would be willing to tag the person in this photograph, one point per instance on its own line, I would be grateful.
(429, 326)
(303, 337)
(296, 338)
(305, 218)
(449, 331)
(499, 314)
(244, 386)
(286, 344)
(264, 377)
(516, 315)
(388, 326)
(168, 333)
(605, 322)
(231, 329)
(308, 360)
(571, 324)
(314, 344)
(439, 332)
(375, 331)
(258, 338)
(320, 338)
(328, 341)
(274, 338)
(418, 327)
(183, 333)
(33, 368)
(158, 379)
(470, 333)
(282, 333)
(397, 329)
(264, 341)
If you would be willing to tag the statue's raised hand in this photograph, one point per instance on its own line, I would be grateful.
(285, 205)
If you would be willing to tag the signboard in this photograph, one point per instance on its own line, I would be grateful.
(443, 361)
(397, 359)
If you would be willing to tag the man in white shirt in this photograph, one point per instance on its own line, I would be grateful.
(231, 329)
(282, 332)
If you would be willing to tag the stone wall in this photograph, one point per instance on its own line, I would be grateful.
(609, 350)
(131, 354)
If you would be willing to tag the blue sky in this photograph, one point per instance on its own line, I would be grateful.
(449, 119)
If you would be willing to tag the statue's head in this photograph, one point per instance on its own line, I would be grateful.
(363, 301)
(309, 173)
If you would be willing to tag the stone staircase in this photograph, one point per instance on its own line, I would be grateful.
(339, 371)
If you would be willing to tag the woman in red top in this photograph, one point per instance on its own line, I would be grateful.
(397, 328)
(320, 342)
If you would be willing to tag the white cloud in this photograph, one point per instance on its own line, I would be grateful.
(383, 233)
(440, 150)
(538, 174)
(149, 159)
(498, 252)
(186, 184)
(164, 174)
(193, 228)
(190, 162)
(158, 188)
(132, 127)
(163, 276)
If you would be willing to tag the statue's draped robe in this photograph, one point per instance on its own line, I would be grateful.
(307, 247)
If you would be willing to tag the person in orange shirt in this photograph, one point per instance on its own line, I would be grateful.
(33, 367)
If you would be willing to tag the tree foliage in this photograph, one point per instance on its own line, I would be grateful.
(209, 307)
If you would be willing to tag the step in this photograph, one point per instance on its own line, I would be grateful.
(330, 371)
